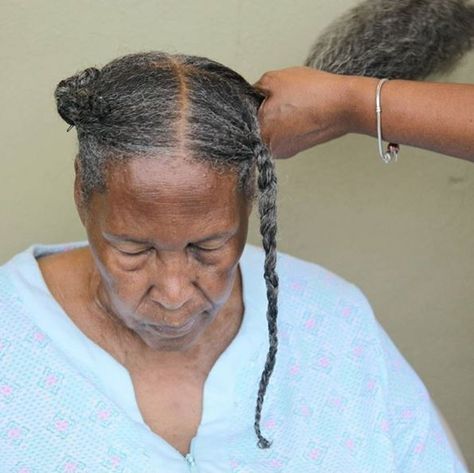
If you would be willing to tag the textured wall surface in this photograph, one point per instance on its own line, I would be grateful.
(403, 233)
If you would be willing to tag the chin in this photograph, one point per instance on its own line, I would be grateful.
(168, 345)
(166, 339)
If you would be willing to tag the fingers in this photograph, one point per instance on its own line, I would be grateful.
(264, 83)
(264, 129)
(261, 87)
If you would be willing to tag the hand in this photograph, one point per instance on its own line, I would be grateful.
(303, 107)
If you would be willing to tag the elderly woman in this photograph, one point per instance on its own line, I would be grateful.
(142, 349)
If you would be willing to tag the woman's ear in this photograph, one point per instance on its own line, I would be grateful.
(78, 194)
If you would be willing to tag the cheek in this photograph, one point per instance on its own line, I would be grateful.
(217, 282)
(122, 282)
(217, 279)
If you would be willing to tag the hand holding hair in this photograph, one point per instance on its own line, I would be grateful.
(303, 107)
(306, 107)
(409, 39)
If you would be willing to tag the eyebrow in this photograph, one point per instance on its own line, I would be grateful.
(218, 236)
(124, 239)
(127, 239)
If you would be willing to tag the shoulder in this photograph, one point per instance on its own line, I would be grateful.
(327, 320)
(17, 288)
(322, 317)
(297, 275)
(22, 278)
(307, 289)
(291, 268)
(14, 276)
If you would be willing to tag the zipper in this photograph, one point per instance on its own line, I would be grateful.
(191, 463)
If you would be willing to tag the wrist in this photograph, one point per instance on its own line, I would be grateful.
(361, 104)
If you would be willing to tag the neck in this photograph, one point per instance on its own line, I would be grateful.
(130, 350)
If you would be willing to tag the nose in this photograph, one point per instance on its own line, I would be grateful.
(171, 282)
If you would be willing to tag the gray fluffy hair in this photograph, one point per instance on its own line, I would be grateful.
(397, 39)
(149, 103)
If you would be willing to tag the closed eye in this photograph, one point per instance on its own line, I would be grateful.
(205, 248)
(134, 253)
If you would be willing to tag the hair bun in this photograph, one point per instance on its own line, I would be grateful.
(77, 100)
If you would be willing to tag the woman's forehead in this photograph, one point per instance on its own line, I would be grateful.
(170, 177)
(146, 195)
(169, 190)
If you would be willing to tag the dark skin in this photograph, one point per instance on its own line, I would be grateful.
(159, 286)
(306, 107)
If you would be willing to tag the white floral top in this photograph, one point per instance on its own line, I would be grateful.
(341, 399)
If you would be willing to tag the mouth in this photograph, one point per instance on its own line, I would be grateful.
(171, 331)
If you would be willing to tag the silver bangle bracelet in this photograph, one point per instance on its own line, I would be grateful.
(391, 154)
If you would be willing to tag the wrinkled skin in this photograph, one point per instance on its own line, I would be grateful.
(166, 238)
(303, 107)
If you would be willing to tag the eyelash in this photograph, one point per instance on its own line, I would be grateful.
(148, 250)
(138, 253)
(200, 248)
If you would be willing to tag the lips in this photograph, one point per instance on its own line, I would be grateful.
(171, 331)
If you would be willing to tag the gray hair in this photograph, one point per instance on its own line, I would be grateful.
(398, 39)
(142, 104)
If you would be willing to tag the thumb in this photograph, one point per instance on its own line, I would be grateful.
(261, 87)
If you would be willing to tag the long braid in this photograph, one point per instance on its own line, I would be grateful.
(267, 185)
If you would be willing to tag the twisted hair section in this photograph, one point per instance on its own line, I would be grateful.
(134, 107)
(403, 39)
(267, 185)
(77, 102)
(150, 104)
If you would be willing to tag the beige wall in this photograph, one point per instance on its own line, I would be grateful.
(403, 233)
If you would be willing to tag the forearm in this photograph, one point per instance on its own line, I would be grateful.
(434, 116)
